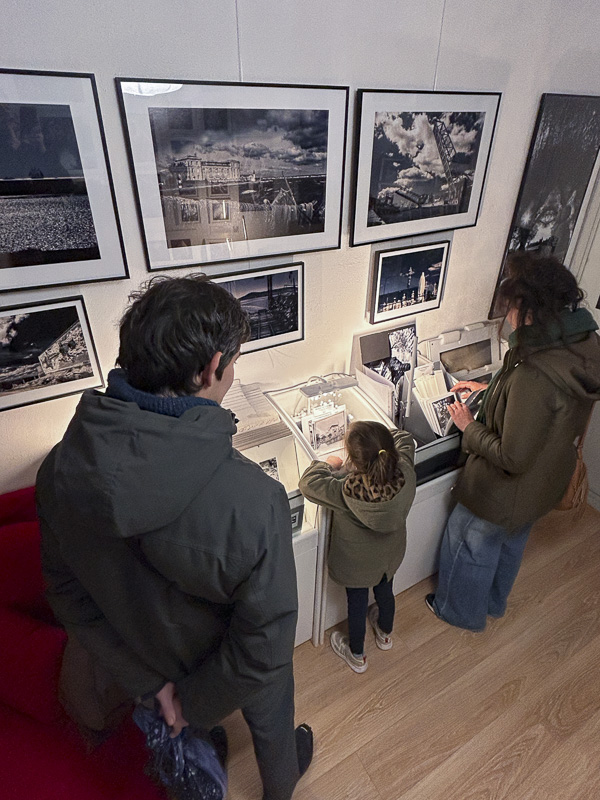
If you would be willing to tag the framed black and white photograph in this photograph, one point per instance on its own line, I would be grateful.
(408, 281)
(46, 351)
(420, 161)
(327, 433)
(274, 301)
(234, 171)
(562, 163)
(58, 216)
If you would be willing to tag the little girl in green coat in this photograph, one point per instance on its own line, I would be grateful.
(370, 495)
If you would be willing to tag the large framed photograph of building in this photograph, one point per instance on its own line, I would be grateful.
(46, 351)
(58, 215)
(420, 161)
(408, 281)
(274, 301)
(562, 164)
(226, 172)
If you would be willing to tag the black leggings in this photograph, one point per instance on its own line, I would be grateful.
(358, 604)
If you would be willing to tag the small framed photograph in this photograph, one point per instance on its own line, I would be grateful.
(46, 351)
(269, 467)
(274, 301)
(58, 215)
(327, 433)
(408, 281)
(420, 162)
(234, 171)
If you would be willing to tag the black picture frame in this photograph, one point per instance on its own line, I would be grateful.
(392, 268)
(56, 356)
(222, 162)
(57, 199)
(558, 177)
(283, 310)
(413, 180)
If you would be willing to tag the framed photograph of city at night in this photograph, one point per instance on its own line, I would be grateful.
(420, 162)
(58, 215)
(408, 281)
(234, 171)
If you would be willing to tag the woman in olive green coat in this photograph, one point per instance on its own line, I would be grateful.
(521, 451)
(370, 498)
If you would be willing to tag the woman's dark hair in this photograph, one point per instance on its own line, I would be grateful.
(540, 288)
(372, 452)
(173, 327)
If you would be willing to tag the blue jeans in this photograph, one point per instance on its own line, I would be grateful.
(479, 562)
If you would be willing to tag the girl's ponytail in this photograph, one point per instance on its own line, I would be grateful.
(372, 452)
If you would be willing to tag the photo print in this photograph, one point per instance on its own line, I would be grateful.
(46, 351)
(402, 359)
(269, 466)
(563, 158)
(58, 220)
(274, 302)
(408, 281)
(442, 414)
(421, 161)
(235, 171)
(326, 433)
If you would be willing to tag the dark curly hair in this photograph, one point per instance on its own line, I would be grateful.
(173, 327)
(540, 288)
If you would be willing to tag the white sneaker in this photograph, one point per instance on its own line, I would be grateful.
(383, 640)
(341, 647)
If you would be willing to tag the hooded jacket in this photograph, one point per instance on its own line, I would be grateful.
(368, 539)
(521, 458)
(168, 553)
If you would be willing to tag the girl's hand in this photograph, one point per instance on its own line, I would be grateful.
(335, 462)
(461, 415)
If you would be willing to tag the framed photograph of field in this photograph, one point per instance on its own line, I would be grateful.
(420, 161)
(46, 351)
(234, 171)
(562, 164)
(58, 215)
(274, 301)
(408, 281)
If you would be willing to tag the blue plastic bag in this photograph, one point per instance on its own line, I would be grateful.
(187, 765)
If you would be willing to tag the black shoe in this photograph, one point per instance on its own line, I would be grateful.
(304, 747)
(219, 739)
(429, 598)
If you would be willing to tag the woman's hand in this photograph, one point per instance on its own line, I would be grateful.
(335, 462)
(461, 415)
(465, 388)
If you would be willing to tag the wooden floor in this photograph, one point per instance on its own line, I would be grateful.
(513, 712)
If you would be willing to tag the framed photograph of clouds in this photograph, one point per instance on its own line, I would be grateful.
(408, 281)
(46, 351)
(420, 161)
(234, 171)
(58, 215)
(558, 179)
(274, 301)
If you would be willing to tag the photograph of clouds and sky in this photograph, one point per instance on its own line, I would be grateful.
(423, 164)
(230, 174)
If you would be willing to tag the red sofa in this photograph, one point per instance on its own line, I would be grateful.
(42, 755)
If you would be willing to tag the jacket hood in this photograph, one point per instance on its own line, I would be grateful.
(575, 368)
(382, 517)
(130, 471)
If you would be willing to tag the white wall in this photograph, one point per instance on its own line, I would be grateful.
(521, 49)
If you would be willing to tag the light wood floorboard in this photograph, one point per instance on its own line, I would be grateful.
(513, 712)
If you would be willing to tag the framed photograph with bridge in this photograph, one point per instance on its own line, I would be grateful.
(234, 171)
(274, 301)
(58, 215)
(420, 161)
(46, 351)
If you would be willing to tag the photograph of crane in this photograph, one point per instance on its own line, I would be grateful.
(421, 165)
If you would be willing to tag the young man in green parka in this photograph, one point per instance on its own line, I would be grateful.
(168, 554)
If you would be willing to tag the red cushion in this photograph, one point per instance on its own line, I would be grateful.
(18, 506)
(30, 665)
(21, 581)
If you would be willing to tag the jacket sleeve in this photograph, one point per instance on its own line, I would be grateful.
(80, 616)
(527, 417)
(320, 485)
(405, 445)
(258, 646)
